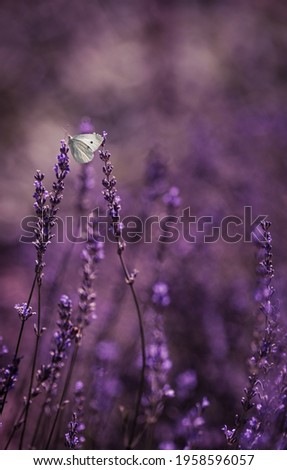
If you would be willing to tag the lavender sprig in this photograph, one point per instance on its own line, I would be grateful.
(46, 213)
(71, 437)
(8, 374)
(113, 202)
(192, 424)
(84, 186)
(49, 376)
(158, 365)
(92, 254)
(63, 338)
(74, 438)
(259, 400)
(3, 348)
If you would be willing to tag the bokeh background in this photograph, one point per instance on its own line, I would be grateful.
(199, 86)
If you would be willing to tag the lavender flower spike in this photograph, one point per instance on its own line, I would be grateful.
(46, 211)
(24, 312)
(71, 437)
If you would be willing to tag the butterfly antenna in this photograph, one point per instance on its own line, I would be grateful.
(66, 132)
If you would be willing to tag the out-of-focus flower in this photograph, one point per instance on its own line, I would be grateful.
(186, 382)
(191, 426)
(158, 365)
(92, 254)
(49, 377)
(160, 296)
(107, 351)
(172, 198)
(3, 348)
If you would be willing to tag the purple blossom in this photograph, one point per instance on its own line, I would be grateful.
(86, 175)
(160, 296)
(167, 445)
(92, 254)
(8, 378)
(71, 437)
(229, 434)
(24, 312)
(191, 426)
(107, 351)
(85, 184)
(47, 205)
(186, 382)
(79, 400)
(86, 126)
(62, 340)
(155, 176)
(172, 198)
(158, 365)
(3, 348)
(262, 398)
(110, 193)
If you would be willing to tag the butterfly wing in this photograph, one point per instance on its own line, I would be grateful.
(80, 151)
(83, 146)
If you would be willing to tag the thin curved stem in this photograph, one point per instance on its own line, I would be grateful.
(15, 356)
(38, 334)
(14, 429)
(130, 282)
(110, 195)
(64, 393)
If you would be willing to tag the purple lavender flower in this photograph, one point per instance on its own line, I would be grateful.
(191, 426)
(62, 339)
(86, 175)
(48, 376)
(167, 445)
(254, 427)
(155, 177)
(8, 374)
(8, 378)
(42, 376)
(85, 184)
(186, 382)
(71, 437)
(78, 414)
(86, 126)
(107, 351)
(3, 348)
(107, 385)
(114, 207)
(172, 198)
(47, 205)
(92, 254)
(158, 365)
(160, 296)
(24, 312)
(110, 194)
(229, 434)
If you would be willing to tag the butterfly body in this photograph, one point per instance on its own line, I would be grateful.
(83, 146)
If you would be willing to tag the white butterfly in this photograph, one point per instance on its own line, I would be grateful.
(83, 146)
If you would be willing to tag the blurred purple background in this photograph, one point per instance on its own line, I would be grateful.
(203, 86)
